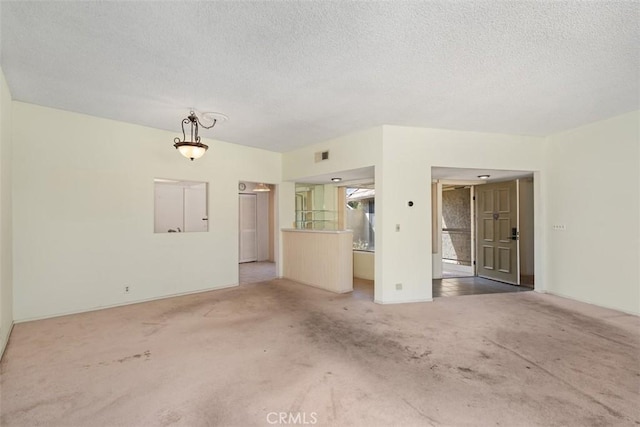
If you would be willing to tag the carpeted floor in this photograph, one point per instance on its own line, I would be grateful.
(277, 353)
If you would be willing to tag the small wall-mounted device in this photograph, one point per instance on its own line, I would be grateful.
(410, 203)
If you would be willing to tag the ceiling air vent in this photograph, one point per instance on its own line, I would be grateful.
(322, 155)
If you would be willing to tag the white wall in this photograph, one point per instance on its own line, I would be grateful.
(83, 212)
(364, 265)
(403, 158)
(408, 156)
(436, 230)
(6, 230)
(592, 187)
(526, 214)
(353, 151)
(83, 207)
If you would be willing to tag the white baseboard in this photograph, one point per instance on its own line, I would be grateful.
(404, 301)
(608, 307)
(5, 340)
(139, 301)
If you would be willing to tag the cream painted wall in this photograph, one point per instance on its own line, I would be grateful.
(409, 154)
(83, 212)
(527, 243)
(6, 227)
(592, 188)
(403, 158)
(364, 265)
(286, 212)
(83, 207)
(436, 229)
(352, 151)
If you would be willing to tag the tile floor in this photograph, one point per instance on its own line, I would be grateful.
(472, 286)
(253, 272)
(363, 289)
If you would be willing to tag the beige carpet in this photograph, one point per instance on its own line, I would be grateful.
(278, 351)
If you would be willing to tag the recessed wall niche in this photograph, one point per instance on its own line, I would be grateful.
(180, 206)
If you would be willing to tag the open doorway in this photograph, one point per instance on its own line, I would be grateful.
(348, 203)
(256, 241)
(457, 231)
(360, 217)
(484, 234)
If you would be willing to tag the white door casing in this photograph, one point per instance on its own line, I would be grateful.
(248, 235)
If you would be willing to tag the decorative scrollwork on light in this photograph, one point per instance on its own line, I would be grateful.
(192, 149)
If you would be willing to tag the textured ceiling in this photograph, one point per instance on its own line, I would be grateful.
(471, 175)
(293, 73)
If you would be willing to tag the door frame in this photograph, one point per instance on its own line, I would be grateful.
(272, 211)
(536, 267)
(240, 216)
(437, 262)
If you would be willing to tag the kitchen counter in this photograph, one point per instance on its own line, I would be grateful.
(320, 258)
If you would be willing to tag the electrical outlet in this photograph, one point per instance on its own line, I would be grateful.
(398, 286)
(127, 289)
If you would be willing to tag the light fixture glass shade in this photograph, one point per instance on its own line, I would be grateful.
(261, 187)
(193, 148)
(192, 151)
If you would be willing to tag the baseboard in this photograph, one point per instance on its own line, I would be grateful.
(556, 294)
(5, 341)
(140, 301)
(403, 301)
(320, 287)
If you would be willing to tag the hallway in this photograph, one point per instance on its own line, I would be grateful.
(253, 272)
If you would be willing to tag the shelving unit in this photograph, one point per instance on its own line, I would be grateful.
(316, 220)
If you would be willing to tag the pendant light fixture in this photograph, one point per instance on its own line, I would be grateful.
(194, 149)
(261, 187)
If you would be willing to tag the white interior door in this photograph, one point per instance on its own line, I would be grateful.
(168, 213)
(195, 208)
(248, 235)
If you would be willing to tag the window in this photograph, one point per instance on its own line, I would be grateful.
(361, 217)
(180, 206)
